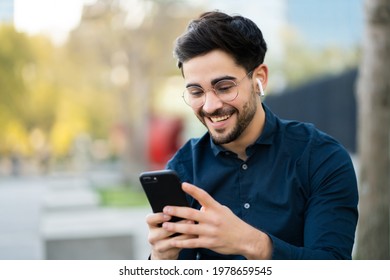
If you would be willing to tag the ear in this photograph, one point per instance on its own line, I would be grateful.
(261, 73)
(261, 90)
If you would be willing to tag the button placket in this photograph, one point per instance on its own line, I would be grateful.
(244, 195)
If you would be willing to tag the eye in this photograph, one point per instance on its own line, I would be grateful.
(195, 92)
(225, 86)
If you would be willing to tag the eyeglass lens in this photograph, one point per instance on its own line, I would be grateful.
(226, 90)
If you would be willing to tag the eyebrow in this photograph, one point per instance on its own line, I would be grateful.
(213, 82)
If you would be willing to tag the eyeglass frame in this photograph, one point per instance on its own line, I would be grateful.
(236, 84)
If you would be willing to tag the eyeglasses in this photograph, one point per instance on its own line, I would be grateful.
(226, 90)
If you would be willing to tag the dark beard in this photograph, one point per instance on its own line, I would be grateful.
(244, 119)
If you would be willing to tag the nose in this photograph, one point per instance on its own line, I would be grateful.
(212, 102)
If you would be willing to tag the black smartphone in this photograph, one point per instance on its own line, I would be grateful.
(163, 187)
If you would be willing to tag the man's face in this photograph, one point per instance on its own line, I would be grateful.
(225, 121)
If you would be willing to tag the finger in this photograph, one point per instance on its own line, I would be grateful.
(200, 195)
(166, 246)
(175, 233)
(190, 229)
(185, 213)
(162, 246)
(156, 219)
(158, 234)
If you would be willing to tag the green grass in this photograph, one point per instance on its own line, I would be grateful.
(122, 196)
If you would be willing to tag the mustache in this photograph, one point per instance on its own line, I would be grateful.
(218, 112)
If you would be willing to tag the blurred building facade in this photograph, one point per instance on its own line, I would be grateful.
(328, 102)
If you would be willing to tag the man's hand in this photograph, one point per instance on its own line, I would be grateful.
(159, 238)
(217, 228)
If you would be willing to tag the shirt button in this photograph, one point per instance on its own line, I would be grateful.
(244, 166)
(247, 205)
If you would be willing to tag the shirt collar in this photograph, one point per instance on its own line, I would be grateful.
(270, 127)
(266, 137)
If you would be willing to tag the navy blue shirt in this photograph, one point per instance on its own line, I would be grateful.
(297, 185)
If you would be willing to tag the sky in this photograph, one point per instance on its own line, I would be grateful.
(52, 17)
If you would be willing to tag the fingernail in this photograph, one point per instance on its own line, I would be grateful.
(167, 209)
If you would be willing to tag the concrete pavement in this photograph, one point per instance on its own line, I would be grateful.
(30, 221)
(20, 214)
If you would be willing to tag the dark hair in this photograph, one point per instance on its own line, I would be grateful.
(236, 35)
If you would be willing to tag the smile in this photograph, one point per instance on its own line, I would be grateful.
(220, 118)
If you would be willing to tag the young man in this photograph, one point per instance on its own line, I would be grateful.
(259, 187)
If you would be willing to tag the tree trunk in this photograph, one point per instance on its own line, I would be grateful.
(373, 91)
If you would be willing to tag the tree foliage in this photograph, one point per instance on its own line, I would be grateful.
(41, 90)
(50, 94)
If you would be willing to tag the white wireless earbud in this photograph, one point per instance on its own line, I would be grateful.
(260, 87)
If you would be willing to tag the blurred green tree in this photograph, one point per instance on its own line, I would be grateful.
(42, 90)
(15, 53)
(124, 49)
(99, 83)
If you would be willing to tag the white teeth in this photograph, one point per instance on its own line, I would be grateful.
(219, 119)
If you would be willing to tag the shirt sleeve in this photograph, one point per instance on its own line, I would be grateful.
(331, 211)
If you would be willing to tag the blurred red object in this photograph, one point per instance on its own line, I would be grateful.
(164, 140)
